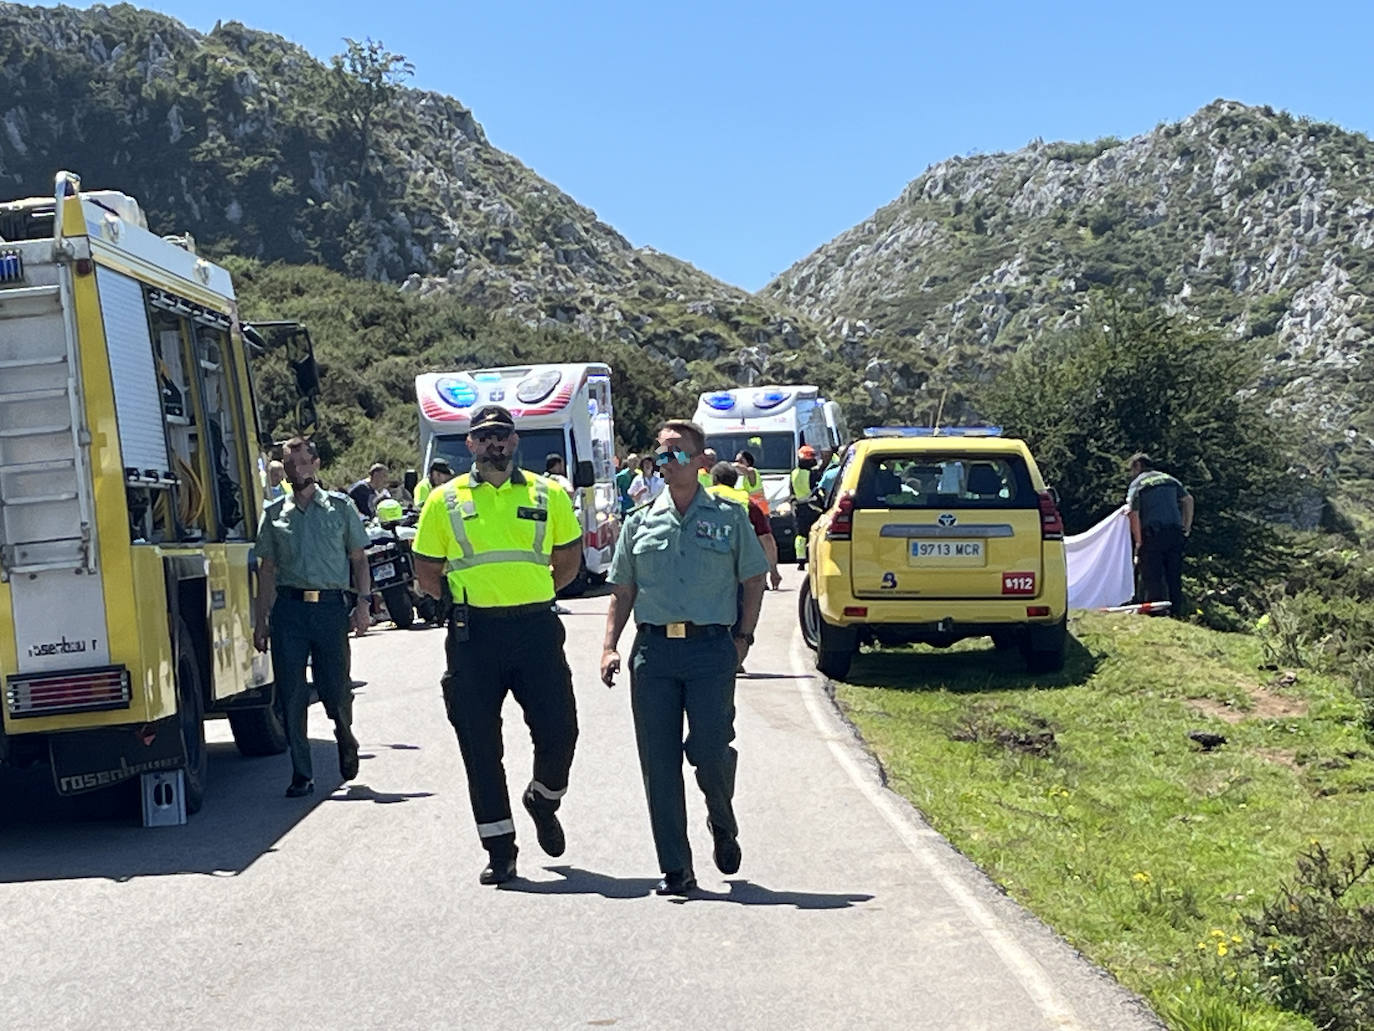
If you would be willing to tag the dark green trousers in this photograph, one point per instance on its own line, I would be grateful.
(317, 633)
(671, 679)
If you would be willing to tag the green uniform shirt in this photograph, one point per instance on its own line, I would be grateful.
(422, 491)
(686, 566)
(310, 545)
(509, 538)
(1157, 498)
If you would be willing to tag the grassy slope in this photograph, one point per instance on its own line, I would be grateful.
(1134, 844)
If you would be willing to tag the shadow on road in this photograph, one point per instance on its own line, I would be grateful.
(747, 893)
(363, 793)
(577, 881)
(46, 837)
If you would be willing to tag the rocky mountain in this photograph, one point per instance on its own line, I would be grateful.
(263, 151)
(1249, 219)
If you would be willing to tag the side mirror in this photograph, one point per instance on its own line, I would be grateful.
(307, 376)
(584, 475)
(306, 417)
(411, 481)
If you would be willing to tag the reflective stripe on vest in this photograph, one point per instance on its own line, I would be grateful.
(462, 507)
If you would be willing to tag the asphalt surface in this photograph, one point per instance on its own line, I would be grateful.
(360, 907)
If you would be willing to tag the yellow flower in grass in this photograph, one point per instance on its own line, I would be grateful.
(1140, 877)
(1221, 948)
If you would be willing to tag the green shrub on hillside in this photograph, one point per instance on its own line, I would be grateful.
(1138, 379)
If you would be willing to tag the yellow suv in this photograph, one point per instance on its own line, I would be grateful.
(932, 536)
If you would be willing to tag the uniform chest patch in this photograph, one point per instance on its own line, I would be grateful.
(713, 531)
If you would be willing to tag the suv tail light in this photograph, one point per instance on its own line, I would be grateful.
(842, 519)
(1051, 524)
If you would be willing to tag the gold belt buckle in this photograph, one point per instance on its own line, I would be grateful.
(310, 595)
(677, 630)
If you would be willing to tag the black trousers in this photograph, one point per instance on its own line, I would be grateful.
(314, 632)
(1161, 566)
(522, 655)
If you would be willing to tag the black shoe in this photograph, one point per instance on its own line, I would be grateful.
(546, 825)
(300, 787)
(677, 882)
(727, 853)
(348, 757)
(498, 871)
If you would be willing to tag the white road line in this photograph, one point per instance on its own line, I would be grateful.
(917, 836)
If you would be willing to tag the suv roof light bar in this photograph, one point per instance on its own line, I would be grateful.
(932, 431)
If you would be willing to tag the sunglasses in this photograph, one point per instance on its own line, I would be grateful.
(482, 436)
(662, 458)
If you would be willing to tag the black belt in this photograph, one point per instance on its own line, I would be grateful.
(510, 611)
(301, 594)
(681, 630)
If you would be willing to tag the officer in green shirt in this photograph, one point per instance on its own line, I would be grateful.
(312, 582)
(677, 564)
(507, 539)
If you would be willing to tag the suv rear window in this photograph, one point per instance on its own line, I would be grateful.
(944, 481)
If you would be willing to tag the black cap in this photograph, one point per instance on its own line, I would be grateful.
(490, 417)
(440, 465)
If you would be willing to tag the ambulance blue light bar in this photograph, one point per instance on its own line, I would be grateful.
(933, 431)
(456, 392)
(721, 402)
(11, 267)
(771, 398)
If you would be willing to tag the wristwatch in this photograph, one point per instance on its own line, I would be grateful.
(746, 638)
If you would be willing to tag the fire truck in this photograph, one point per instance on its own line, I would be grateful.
(132, 474)
(559, 410)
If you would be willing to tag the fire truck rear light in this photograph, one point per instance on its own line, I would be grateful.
(53, 694)
(1034, 611)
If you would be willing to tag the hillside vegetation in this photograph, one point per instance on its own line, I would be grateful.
(1256, 224)
(262, 151)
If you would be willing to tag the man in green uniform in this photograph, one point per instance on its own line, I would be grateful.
(1161, 516)
(508, 539)
(312, 581)
(676, 565)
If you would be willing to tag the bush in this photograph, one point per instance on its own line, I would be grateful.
(1321, 631)
(1315, 946)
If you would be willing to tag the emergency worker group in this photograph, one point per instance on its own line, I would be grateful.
(499, 542)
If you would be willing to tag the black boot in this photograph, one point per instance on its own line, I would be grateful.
(500, 869)
(546, 825)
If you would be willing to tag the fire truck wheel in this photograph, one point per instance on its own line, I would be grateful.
(258, 731)
(191, 711)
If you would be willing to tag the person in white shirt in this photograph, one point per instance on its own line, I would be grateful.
(647, 483)
(556, 470)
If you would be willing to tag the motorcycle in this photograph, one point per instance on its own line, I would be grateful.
(392, 568)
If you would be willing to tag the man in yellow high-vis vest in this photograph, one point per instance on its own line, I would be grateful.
(508, 540)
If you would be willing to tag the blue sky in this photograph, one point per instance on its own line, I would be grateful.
(740, 136)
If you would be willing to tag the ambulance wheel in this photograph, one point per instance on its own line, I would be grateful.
(399, 606)
(1045, 647)
(191, 718)
(258, 731)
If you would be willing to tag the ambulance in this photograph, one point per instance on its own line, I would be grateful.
(771, 423)
(132, 472)
(561, 410)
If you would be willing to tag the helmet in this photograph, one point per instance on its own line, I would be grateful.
(806, 451)
(389, 510)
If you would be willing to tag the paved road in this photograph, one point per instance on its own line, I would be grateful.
(360, 908)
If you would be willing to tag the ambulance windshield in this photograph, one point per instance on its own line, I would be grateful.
(535, 447)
